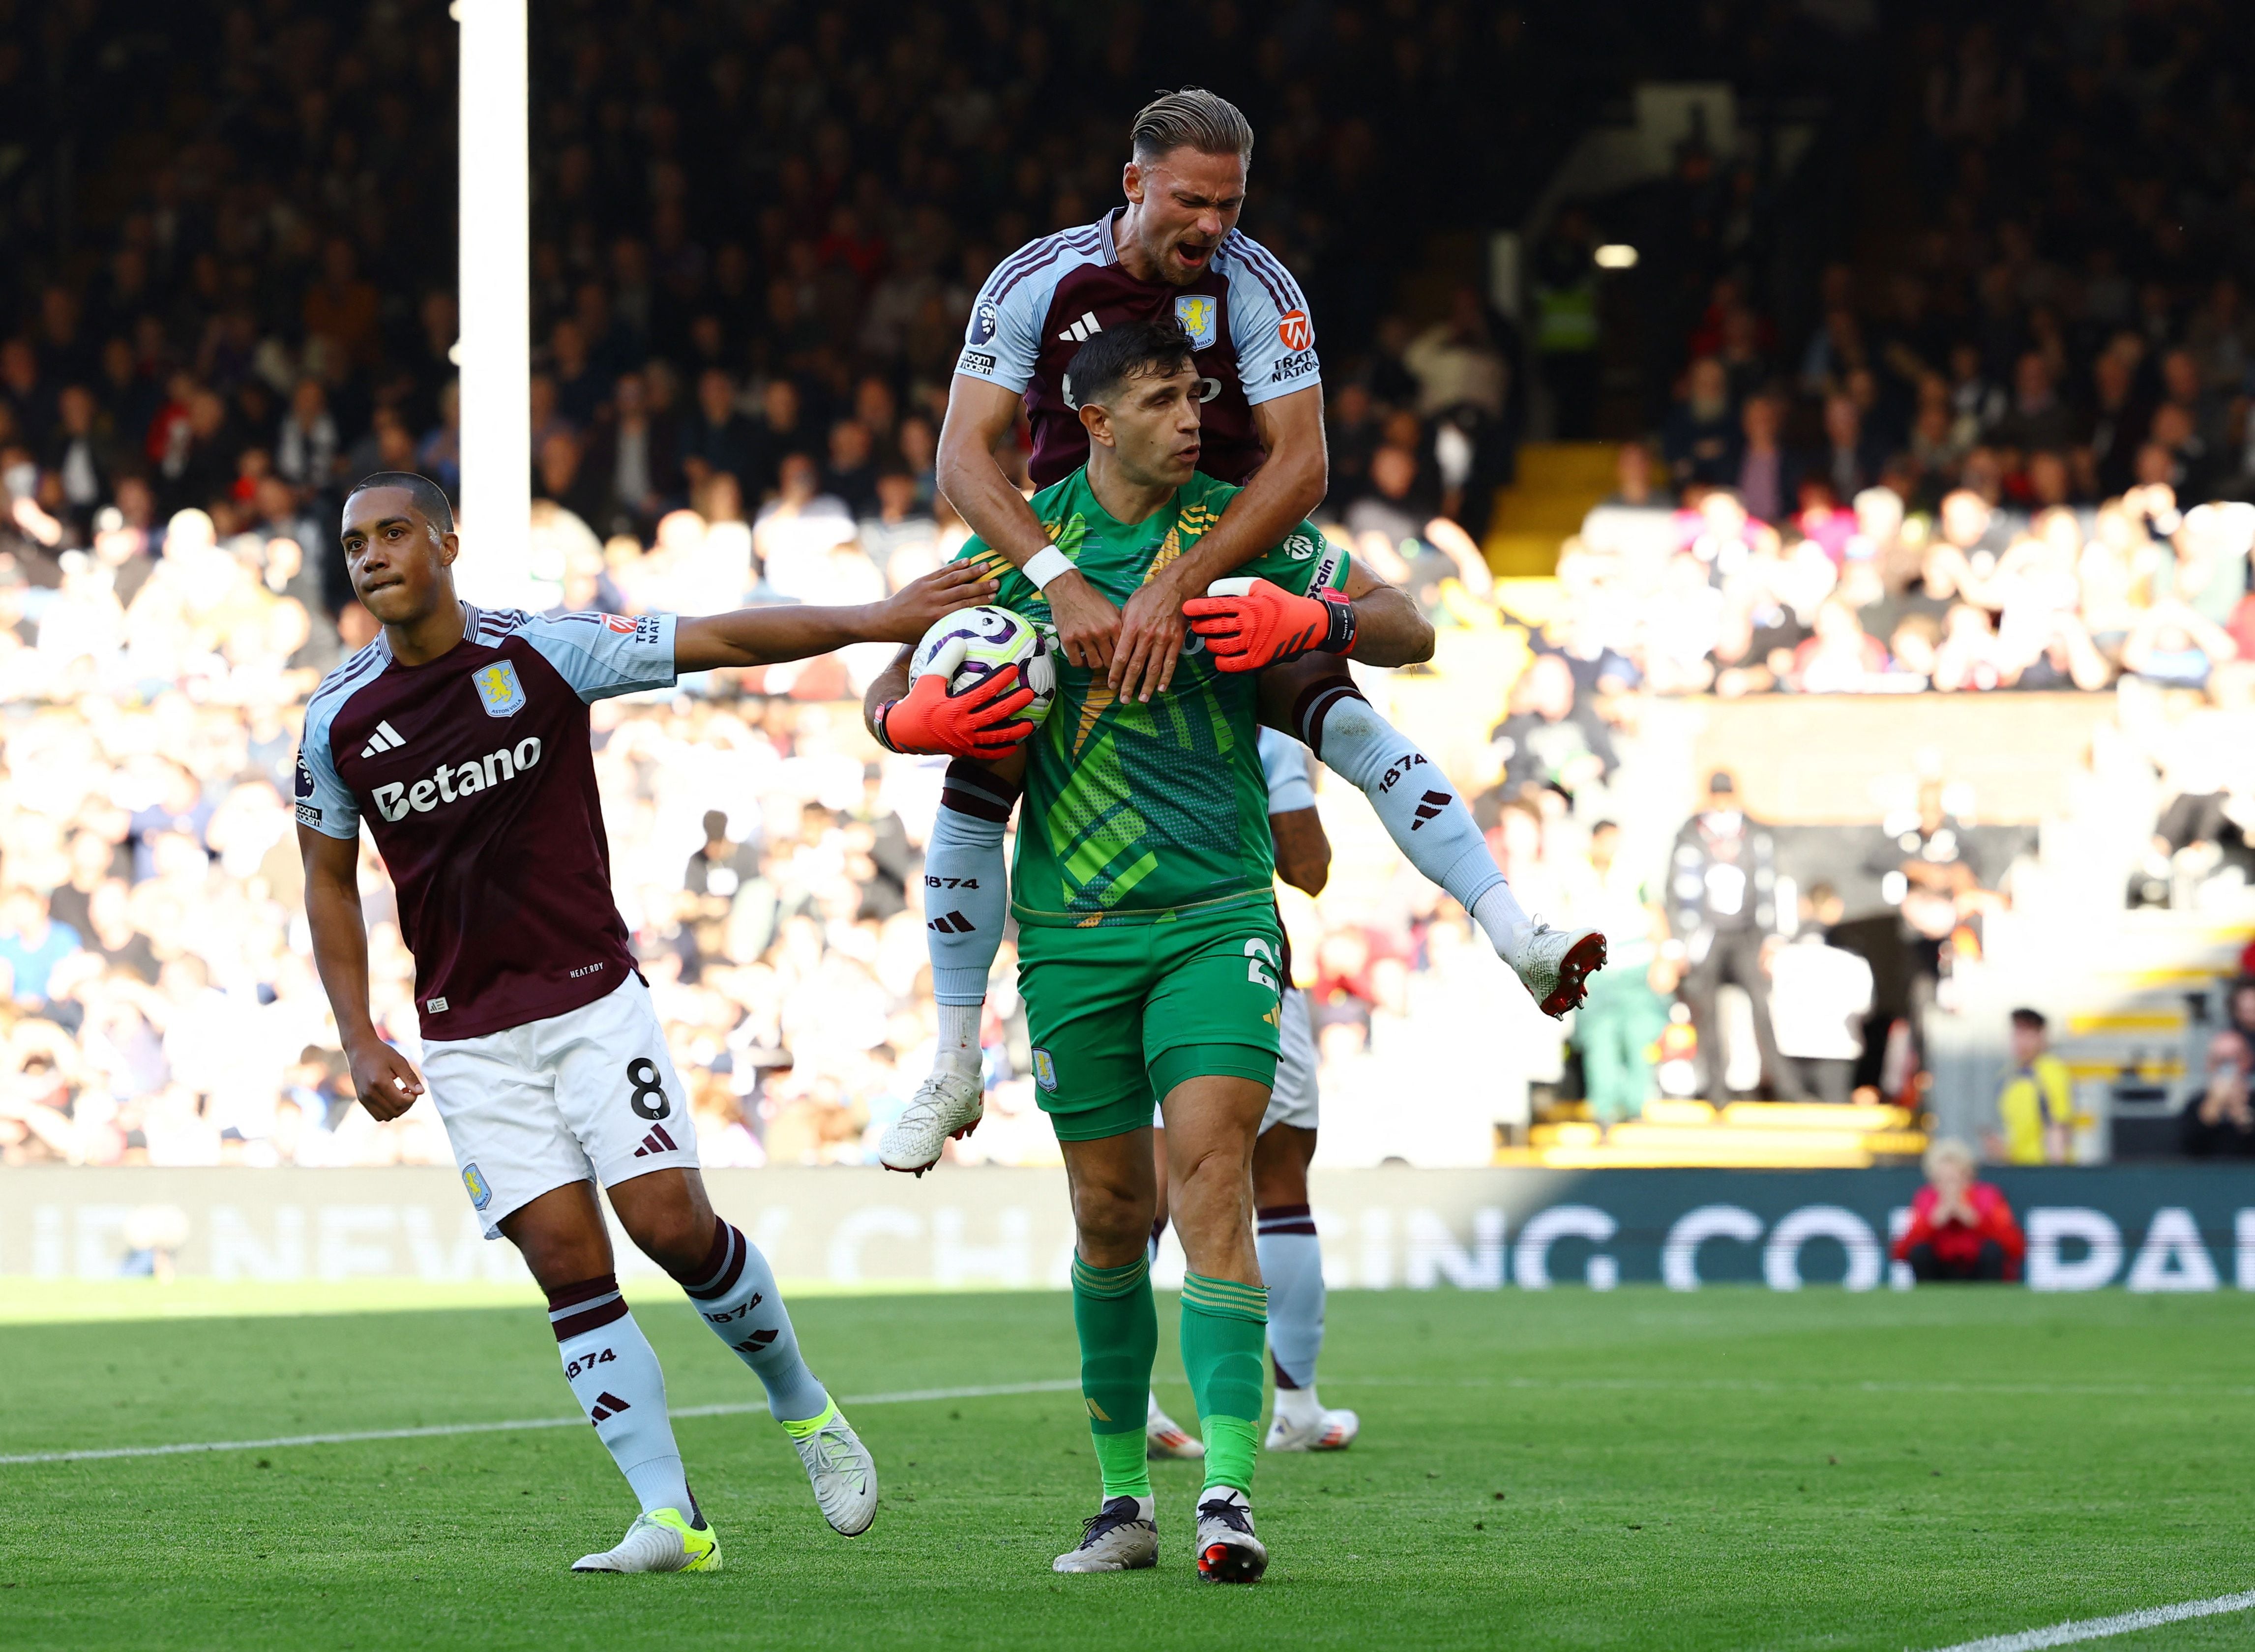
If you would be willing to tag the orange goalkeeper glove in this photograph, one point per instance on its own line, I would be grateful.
(1250, 624)
(981, 722)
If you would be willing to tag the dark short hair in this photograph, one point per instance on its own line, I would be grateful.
(2032, 1019)
(1131, 350)
(430, 498)
(1192, 118)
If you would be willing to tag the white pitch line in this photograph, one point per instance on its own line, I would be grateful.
(905, 1397)
(1733, 1385)
(2105, 1628)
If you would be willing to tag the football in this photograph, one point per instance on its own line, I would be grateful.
(973, 644)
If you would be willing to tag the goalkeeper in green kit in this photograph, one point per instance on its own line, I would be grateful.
(1149, 951)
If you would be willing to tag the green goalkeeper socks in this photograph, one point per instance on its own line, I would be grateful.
(1118, 1327)
(1224, 1326)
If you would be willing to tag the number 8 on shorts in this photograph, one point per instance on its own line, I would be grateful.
(648, 1100)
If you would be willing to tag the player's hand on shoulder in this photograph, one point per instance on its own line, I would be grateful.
(1252, 623)
(1087, 623)
(385, 1082)
(912, 610)
(981, 722)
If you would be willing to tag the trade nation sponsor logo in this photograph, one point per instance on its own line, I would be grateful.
(1294, 331)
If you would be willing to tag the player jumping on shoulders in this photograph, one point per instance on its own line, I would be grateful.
(1173, 255)
(460, 737)
(1148, 941)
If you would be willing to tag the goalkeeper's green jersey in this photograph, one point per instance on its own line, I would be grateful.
(1135, 814)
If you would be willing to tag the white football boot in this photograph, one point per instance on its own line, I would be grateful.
(1123, 1535)
(842, 1472)
(1227, 1550)
(947, 1104)
(663, 1540)
(1327, 1430)
(1555, 964)
(1164, 1439)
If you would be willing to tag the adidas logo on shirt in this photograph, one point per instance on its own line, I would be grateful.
(1079, 331)
(386, 738)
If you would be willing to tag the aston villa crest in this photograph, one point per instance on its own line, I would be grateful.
(1198, 312)
(499, 690)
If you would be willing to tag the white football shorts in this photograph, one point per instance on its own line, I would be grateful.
(1292, 1100)
(589, 1095)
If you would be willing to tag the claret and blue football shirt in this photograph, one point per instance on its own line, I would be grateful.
(475, 775)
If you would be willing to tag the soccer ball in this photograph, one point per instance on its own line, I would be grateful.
(981, 641)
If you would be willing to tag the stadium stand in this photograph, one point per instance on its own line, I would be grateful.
(1924, 514)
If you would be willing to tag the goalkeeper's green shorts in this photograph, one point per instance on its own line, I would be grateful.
(1121, 1015)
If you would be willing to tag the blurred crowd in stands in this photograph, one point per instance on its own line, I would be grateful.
(2009, 447)
(2011, 457)
(757, 234)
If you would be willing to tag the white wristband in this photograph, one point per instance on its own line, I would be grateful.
(1046, 565)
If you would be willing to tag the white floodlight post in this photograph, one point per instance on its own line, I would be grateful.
(494, 355)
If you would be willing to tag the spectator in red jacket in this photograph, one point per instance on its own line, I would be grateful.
(1959, 1228)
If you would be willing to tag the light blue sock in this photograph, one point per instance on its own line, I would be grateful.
(735, 1292)
(614, 1376)
(1417, 805)
(967, 893)
(1292, 1266)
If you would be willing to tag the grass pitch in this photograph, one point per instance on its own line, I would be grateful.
(1733, 1469)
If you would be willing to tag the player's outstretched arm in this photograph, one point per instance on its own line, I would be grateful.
(1283, 493)
(770, 635)
(383, 1078)
(978, 414)
(1249, 624)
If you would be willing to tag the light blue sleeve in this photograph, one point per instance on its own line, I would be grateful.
(326, 805)
(1003, 338)
(1269, 324)
(605, 654)
(1284, 761)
